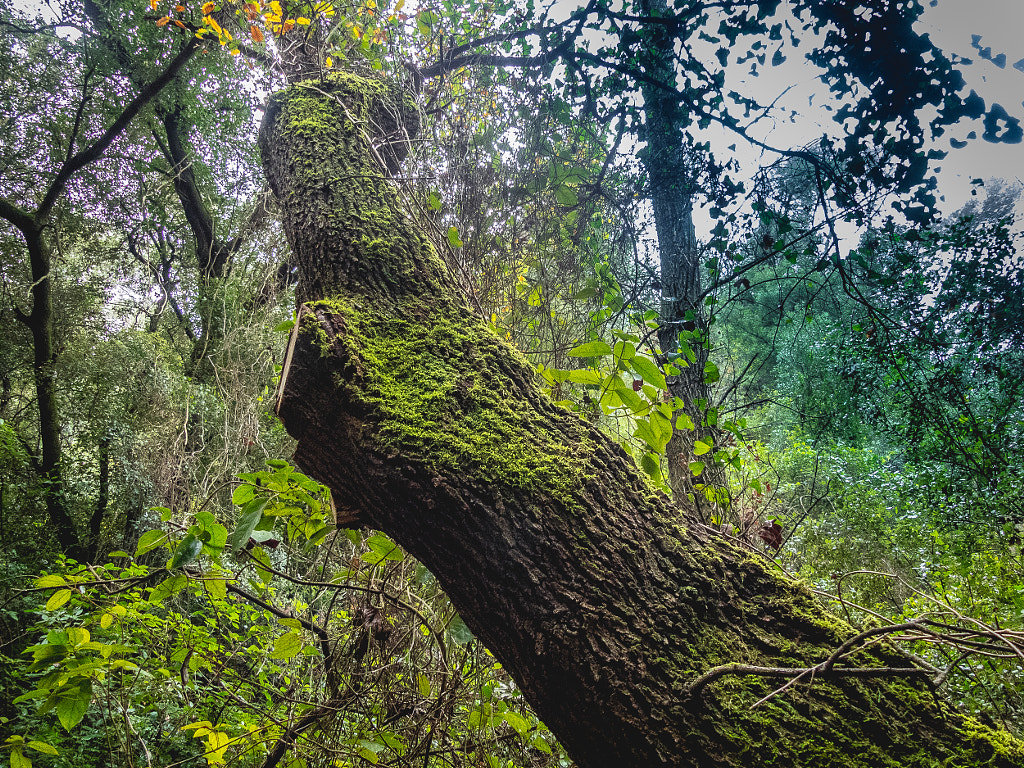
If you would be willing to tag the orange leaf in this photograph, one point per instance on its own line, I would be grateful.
(163, 21)
(178, 23)
(152, 4)
(179, 8)
(257, 36)
(208, 8)
(288, 25)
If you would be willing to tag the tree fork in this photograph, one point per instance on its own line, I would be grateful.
(602, 599)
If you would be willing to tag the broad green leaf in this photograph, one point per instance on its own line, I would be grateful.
(586, 293)
(453, 238)
(262, 564)
(217, 588)
(424, 685)
(52, 580)
(646, 432)
(624, 350)
(42, 746)
(566, 195)
(149, 541)
(584, 376)
(518, 722)
(247, 521)
(58, 599)
(685, 422)
(286, 646)
(78, 636)
(434, 201)
(696, 467)
(700, 447)
(458, 630)
(284, 327)
(242, 494)
(591, 349)
(651, 464)
(711, 374)
(188, 549)
(646, 369)
(18, 759)
(73, 704)
(168, 587)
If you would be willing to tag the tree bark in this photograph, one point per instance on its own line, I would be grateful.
(683, 315)
(602, 598)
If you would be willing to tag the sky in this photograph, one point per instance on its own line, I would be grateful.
(951, 24)
(1001, 26)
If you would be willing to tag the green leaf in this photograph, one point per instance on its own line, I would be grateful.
(57, 599)
(42, 746)
(696, 467)
(453, 238)
(284, 327)
(188, 549)
(434, 201)
(591, 349)
(247, 521)
(518, 722)
(646, 369)
(262, 564)
(711, 374)
(458, 630)
(586, 293)
(217, 588)
(73, 704)
(149, 541)
(18, 759)
(168, 587)
(685, 422)
(423, 683)
(584, 376)
(286, 646)
(700, 447)
(651, 464)
(623, 350)
(566, 195)
(51, 580)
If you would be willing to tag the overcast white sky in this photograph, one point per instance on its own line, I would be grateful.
(1001, 26)
(950, 24)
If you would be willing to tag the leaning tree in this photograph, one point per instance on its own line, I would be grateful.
(640, 635)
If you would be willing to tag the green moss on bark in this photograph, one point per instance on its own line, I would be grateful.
(608, 607)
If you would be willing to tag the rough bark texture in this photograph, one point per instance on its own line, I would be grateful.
(672, 178)
(600, 599)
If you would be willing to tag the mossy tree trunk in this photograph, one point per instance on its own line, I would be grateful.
(601, 598)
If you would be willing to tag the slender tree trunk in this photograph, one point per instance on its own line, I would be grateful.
(685, 328)
(602, 599)
(49, 469)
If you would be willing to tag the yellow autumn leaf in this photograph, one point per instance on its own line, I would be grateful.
(212, 22)
(302, 20)
(257, 36)
(162, 21)
(329, 62)
(235, 51)
(152, 4)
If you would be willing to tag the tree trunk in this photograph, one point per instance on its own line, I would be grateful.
(49, 466)
(602, 599)
(683, 315)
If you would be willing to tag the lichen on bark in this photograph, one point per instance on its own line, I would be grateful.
(601, 598)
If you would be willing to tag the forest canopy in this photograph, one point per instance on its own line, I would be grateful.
(446, 385)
